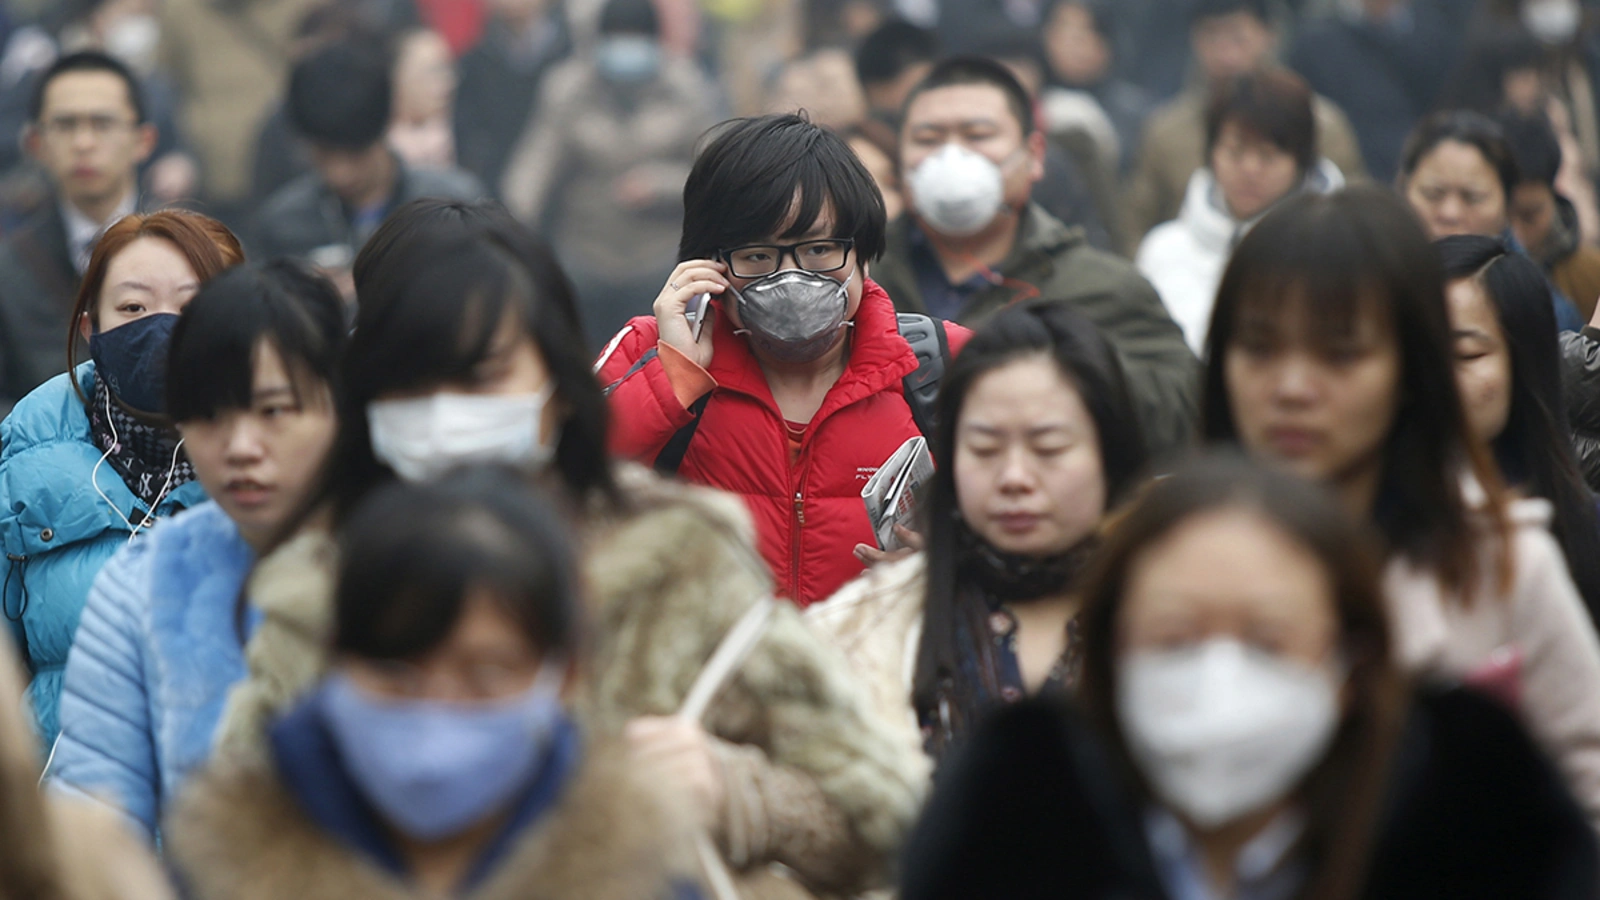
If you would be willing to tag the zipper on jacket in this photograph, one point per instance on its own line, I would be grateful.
(794, 564)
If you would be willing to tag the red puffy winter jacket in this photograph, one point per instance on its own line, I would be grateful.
(809, 515)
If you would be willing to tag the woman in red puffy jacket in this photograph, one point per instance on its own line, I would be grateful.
(789, 389)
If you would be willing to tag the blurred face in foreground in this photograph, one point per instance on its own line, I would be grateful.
(1320, 405)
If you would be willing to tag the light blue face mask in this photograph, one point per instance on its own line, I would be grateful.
(628, 59)
(432, 768)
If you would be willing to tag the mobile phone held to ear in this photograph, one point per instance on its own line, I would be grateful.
(698, 311)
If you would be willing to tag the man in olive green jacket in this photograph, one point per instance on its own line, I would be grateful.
(972, 242)
(1060, 264)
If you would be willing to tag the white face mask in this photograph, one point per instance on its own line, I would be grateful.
(1221, 730)
(956, 191)
(1552, 21)
(427, 436)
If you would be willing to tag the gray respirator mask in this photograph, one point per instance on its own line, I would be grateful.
(794, 316)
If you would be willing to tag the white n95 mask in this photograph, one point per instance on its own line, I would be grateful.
(956, 191)
(424, 437)
(1221, 730)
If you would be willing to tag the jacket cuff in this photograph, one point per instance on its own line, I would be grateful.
(689, 381)
(1590, 332)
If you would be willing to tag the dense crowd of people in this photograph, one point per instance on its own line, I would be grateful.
(719, 449)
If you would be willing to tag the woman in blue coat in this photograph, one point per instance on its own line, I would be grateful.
(89, 459)
(250, 386)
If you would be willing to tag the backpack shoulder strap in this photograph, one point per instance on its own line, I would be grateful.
(931, 344)
(671, 456)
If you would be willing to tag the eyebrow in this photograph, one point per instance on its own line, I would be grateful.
(1035, 431)
(141, 286)
(1470, 333)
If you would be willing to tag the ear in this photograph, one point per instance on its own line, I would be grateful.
(32, 142)
(147, 137)
(85, 329)
(1036, 150)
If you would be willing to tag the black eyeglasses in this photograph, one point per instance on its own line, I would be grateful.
(759, 260)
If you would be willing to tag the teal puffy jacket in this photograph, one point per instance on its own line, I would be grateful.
(55, 528)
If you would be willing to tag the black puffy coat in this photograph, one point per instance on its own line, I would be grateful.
(1580, 382)
(1033, 808)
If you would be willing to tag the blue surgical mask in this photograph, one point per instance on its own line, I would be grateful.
(132, 360)
(628, 58)
(432, 768)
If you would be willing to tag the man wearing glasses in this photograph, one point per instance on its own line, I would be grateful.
(774, 368)
(87, 131)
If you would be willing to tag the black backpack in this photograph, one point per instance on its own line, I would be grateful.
(928, 341)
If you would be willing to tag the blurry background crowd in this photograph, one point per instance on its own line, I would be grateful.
(582, 116)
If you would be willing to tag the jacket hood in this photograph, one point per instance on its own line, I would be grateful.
(1205, 214)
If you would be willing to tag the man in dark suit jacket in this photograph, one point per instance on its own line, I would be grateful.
(87, 129)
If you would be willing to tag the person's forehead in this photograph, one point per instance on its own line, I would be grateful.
(959, 103)
(93, 90)
(822, 226)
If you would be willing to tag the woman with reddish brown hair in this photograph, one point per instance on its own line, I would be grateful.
(89, 460)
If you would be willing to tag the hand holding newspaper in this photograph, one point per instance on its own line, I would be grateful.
(891, 493)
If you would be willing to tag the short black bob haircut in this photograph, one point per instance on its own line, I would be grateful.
(1461, 126)
(964, 70)
(340, 97)
(745, 185)
(411, 554)
(1080, 352)
(1534, 449)
(87, 61)
(211, 361)
(429, 308)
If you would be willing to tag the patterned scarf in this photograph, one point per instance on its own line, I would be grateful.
(140, 452)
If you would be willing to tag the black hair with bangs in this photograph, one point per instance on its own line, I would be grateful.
(404, 577)
(743, 186)
(1335, 259)
(211, 361)
(428, 312)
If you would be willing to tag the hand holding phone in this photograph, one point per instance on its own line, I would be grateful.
(698, 311)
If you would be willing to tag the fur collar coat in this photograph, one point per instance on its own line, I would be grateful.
(239, 834)
(820, 792)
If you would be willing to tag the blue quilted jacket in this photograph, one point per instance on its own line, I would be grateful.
(56, 531)
(155, 656)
